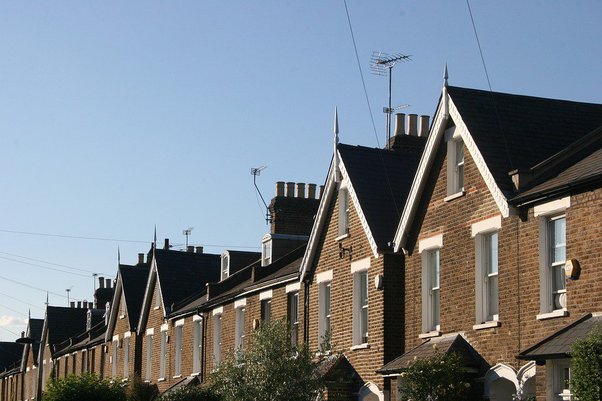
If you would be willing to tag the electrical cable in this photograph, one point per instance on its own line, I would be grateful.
(49, 263)
(10, 331)
(73, 236)
(36, 288)
(12, 310)
(44, 267)
(20, 300)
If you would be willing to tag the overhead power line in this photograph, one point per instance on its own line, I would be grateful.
(73, 236)
(45, 267)
(48, 263)
(34, 287)
(20, 300)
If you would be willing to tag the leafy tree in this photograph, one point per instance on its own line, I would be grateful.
(586, 368)
(137, 390)
(268, 369)
(440, 377)
(190, 394)
(87, 387)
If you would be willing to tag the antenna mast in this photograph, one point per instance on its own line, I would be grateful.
(380, 64)
(187, 233)
(256, 171)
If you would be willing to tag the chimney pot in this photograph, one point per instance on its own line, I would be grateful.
(108, 282)
(79, 304)
(413, 124)
(400, 121)
(72, 304)
(290, 189)
(199, 249)
(166, 244)
(424, 126)
(85, 304)
(321, 191)
(140, 258)
(22, 334)
(190, 248)
(311, 191)
(101, 282)
(280, 188)
(300, 190)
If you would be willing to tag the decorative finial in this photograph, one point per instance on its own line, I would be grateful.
(336, 125)
(155, 238)
(47, 298)
(118, 256)
(336, 143)
(445, 76)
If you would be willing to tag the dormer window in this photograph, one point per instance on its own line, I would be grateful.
(225, 266)
(455, 162)
(266, 251)
(343, 212)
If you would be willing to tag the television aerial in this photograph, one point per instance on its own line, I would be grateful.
(255, 172)
(187, 233)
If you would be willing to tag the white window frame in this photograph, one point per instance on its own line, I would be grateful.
(293, 315)
(266, 250)
(428, 248)
(324, 314)
(149, 354)
(114, 350)
(556, 388)
(196, 344)
(455, 165)
(265, 298)
(157, 295)
(481, 231)
(225, 266)
(546, 213)
(122, 308)
(344, 211)
(178, 347)
(217, 339)
(239, 335)
(163, 353)
(126, 356)
(360, 329)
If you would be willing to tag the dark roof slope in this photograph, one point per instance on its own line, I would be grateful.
(515, 132)
(241, 259)
(103, 295)
(88, 338)
(34, 331)
(558, 345)
(64, 323)
(182, 274)
(133, 281)
(382, 179)
(10, 354)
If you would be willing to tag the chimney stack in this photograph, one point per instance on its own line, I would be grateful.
(101, 282)
(321, 191)
(85, 304)
(300, 190)
(424, 126)
(108, 282)
(413, 124)
(79, 304)
(166, 244)
(140, 258)
(190, 248)
(290, 189)
(72, 304)
(400, 121)
(311, 191)
(199, 249)
(280, 188)
(22, 334)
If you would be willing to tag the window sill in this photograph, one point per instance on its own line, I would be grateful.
(487, 325)
(156, 307)
(177, 377)
(195, 374)
(160, 379)
(341, 237)
(121, 316)
(454, 196)
(147, 381)
(430, 334)
(360, 346)
(124, 380)
(553, 314)
(327, 353)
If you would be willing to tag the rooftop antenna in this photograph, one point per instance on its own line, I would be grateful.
(68, 290)
(187, 233)
(380, 64)
(256, 171)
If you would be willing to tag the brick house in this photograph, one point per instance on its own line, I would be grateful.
(174, 276)
(353, 281)
(11, 367)
(125, 350)
(492, 216)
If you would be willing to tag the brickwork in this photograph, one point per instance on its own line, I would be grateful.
(519, 266)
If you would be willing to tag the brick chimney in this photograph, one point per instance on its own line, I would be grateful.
(293, 212)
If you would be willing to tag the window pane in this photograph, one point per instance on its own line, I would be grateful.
(435, 309)
(558, 240)
(363, 289)
(459, 152)
(491, 253)
(558, 278)
(492, 290)
(433, 259)
(327, 300)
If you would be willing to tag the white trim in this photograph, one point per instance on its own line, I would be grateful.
(265, 295)
(127, 334)
(434, 333)
(164, 327)
(116, 337)
(497, 372)
(197, 318)
(553, 314)
(483, 226)
(293, 287)
(430, 243)
(554, 206)
(150, 332)
(523, 375)
(218, 311)
(457, 195)
(360, 265)
(368, 390)
(324, 276)
(341, 237)
(180, 322)
(239, 303)
(486, 325)
(359, 346)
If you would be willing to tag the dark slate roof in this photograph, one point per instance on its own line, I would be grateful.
(182, 274)
(133, 281)
(515, 132)
(86, 339)
(382, 179)
(103, 295)
(34, 331)
(441, 345)
(10, 354)
(64, 323)
(241, 259)
(578, 165)
(558, 345)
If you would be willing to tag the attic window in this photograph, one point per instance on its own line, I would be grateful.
(266, 251)
(225, 266)
(343, 212)
(455, 162)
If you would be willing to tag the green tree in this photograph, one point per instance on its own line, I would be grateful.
(440, 377)
(268, 369)
(83, 388)
(586, 367)
(192, 393)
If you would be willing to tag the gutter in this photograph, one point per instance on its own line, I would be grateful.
(527, 200)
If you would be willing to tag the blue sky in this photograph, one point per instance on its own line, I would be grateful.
(119, 116)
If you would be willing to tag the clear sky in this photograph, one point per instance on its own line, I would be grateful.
(119, 116)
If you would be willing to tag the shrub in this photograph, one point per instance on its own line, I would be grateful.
(586, 367)
(190, 394)
(83, 388)
(137, 390)
(268, 369)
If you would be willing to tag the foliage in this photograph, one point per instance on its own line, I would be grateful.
(586, 367)
(268, 369)
(437, 378)
(137, 390)
(190, 394)
(326, 343)
(83, 388)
